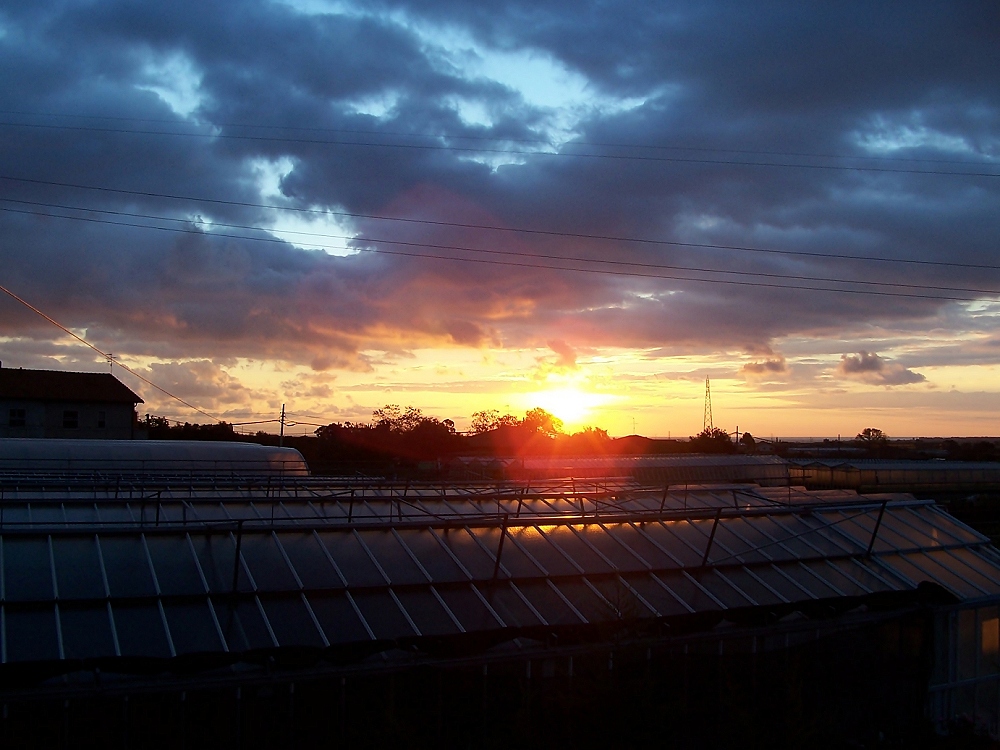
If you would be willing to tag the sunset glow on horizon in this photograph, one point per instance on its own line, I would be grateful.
(339, 206)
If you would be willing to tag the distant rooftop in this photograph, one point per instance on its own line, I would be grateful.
(60, 385)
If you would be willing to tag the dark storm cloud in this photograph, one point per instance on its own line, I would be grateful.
(871, 368)
(355, 111)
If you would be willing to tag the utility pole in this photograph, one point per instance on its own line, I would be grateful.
(281, 435)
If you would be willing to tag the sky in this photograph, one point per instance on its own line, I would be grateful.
(589, 207)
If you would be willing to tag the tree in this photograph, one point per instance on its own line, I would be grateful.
(747, 441)
(712, 440)
(391, 417)
(872, 437)
(490, 419)
(539, 420)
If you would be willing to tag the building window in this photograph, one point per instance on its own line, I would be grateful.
(17, 418)
(102, 420)
(71, 419)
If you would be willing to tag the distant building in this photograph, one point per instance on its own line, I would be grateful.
(57, 404)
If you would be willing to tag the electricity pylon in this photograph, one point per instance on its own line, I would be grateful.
(708, 406)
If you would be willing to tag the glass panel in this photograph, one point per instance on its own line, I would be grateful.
(310, 561)
(855, 572)
(78, 568)
(859, 527)
(633, 540)
(352, 559)
(337, 617)
(31, 634)
(682, 585)
(27, 570)
(291, 622)
(426, 612)
(948, 524)
(267, 565)
(140, 631)
(174, 564)
(511, 608)
(468, 608)
(728, 545)
(722, 589)
(242, 624)
(548, 603)
(611, 549)
(542, 550)
(778, 575)
(127, 569)
(624, 604)
(12, 514)
(382, 615)
(895, 533)
(967, 565)
(566, 539)
(901, 565)
(989, 641)
(471, 555)
(937, 565)
(80, 512)
(86, 632)
(398, 565)
(217, 555)
(45, 513)
(192, 628)
(589, 604)
(807, 539)
(926, 532)
(748, 541)
(678, 537)
(746, 583)
(967, 644)
(512, 558)
(432, 556)
(656, 595)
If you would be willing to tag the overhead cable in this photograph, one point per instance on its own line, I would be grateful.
(494, 139)
(566, 259)
(106, 356)
(511, 152)
(488, 227)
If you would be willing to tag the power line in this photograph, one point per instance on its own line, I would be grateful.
(106, 356)
(690, 269)
(488, 227)
(510, 152)
(494, 139)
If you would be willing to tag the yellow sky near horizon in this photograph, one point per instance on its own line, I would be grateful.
(621, 391)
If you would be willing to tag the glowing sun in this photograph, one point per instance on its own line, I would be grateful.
(571, 405)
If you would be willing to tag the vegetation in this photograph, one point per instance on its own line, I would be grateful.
(713, 440)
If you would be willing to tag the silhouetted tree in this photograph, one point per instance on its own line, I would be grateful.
(872, 436)
(490, 419)
(539, 420)
(712, 440)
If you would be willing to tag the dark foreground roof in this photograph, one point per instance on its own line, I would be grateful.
(128, 585)
(58, 385)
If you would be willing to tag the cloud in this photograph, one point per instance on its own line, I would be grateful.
(765, 368)
(871, 368)
(565, 354)
(417, 124)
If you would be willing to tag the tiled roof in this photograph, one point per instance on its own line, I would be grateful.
(59, 385)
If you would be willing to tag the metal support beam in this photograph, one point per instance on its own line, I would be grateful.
(878, 522)
(236, 560)
(503, 535)
(711, 537)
